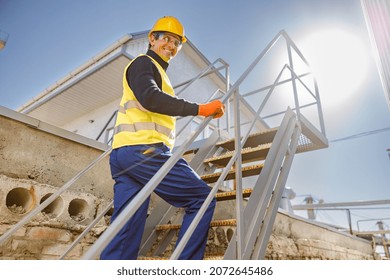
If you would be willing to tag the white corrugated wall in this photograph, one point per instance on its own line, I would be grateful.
(377, 15)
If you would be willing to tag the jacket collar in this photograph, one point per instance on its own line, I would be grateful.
(156, 57)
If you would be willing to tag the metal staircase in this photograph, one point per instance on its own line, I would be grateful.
(273, 161)
(264, 157)
(267, 157)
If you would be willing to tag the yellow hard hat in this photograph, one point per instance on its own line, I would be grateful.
(169, 24)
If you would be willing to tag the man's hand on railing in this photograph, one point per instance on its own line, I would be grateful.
(214, 108)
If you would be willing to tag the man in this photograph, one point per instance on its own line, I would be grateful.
(142, 143)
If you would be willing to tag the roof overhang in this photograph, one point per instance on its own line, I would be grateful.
(87, 91)
(92, 85)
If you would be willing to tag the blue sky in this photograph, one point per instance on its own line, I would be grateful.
(50, 38)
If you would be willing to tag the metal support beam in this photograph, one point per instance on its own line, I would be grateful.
(240, 233)
(340, 204)
(384, 239)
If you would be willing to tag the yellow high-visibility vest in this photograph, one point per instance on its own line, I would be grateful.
(135, 125)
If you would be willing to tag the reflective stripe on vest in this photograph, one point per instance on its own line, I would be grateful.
(131, 104)
(144, 126)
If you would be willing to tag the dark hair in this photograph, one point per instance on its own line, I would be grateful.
(156, 35)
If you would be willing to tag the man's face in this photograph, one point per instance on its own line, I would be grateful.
(166, 45)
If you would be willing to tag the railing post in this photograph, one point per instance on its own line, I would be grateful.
(319, 108)
(384, 239)
(228, 101)
(106, 125)
(239, 207)
(293, 80)
(349, 220)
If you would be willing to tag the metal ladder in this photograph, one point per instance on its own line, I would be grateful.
(255, 221)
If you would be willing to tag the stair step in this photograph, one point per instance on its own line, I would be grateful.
(252, 141)
(216, 223)
(246, 172)
(248, 154)
(222, 196)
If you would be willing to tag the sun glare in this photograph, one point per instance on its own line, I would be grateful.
(339, 60)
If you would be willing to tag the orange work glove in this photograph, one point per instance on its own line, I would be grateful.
(214, 108)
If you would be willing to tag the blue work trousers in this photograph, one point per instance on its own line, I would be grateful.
(131, 168)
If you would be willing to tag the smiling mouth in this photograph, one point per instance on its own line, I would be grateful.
(169, 52)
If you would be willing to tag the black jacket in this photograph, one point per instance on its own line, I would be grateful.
(145, 81)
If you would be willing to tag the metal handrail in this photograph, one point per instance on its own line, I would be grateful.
(366, 220)
(193, 117)
(240, 228)
(205, 72)
(106, 125)
(246, 94)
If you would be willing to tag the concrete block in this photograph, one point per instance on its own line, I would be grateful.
(75, 254)
(25, 247)
(50, 157)
(20, 196)
(54, 249)
(282, 225)
(282, 247)
(46, 233)
(19, 233)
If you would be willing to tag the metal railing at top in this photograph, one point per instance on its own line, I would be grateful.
(377, 220)
(297, 106)
(313, 210)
